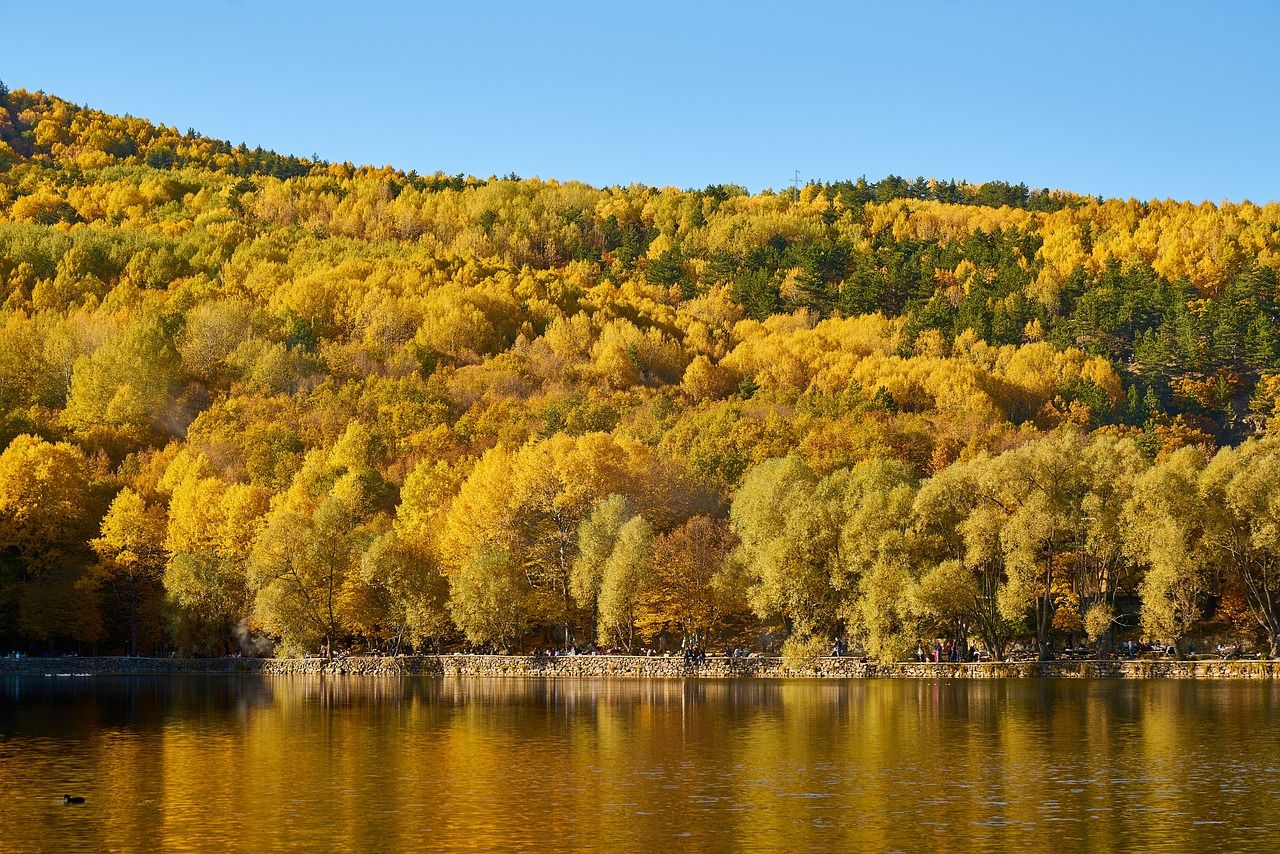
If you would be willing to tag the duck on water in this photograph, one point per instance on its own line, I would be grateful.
(72, 799)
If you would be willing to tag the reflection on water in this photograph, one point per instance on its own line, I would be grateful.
(370, 764)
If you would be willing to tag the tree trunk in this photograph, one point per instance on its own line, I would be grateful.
(133, 620)
(1104, 645)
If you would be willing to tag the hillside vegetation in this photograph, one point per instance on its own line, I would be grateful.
(245, 394)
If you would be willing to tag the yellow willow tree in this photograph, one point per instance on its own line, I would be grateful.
(789, 527)
(876, 573)
(1242, 520)
(1165, 532)
(956, 540)
(301, 563)
(1099, 569)
(1041, 488)
(490, 600)
(408, 593)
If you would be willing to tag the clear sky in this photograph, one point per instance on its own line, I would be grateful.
(1145, 99)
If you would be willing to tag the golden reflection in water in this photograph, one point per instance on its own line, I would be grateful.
(472, 764)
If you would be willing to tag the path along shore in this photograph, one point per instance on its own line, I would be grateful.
(631, 666)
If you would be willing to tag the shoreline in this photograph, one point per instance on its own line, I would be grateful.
(633, 667)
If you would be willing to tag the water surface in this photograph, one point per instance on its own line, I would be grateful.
(368, 764)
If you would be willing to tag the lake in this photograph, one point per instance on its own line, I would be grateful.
(369, 764)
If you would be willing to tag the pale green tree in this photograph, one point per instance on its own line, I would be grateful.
(490, 600)
(1165, 533)
(623, 578)
(1100, 569)
(1041, 487)
(875, 573)
(1242, 526)
(125, 383)
(956, 540)
(597, 536)
(411, 593)
(300, 564)
(789, 551)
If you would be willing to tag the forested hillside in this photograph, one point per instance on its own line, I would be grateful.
(251, 395)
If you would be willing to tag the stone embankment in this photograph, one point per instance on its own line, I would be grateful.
(642, 667)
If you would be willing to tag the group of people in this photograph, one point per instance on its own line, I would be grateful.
(945, 652)
(695, 655)
(552, 652)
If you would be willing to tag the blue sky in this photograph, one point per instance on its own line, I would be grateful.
(1144, 99)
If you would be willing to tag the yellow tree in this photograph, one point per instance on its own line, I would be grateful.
(48, 509)
(212, 527)
(530, 505)
(131, 554)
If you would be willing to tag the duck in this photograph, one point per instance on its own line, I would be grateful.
(72, 799)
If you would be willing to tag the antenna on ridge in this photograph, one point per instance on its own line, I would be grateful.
(795, 185)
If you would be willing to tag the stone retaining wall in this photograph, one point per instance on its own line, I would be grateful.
(623, 666)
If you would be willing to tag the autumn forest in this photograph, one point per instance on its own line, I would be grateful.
(251, 399)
